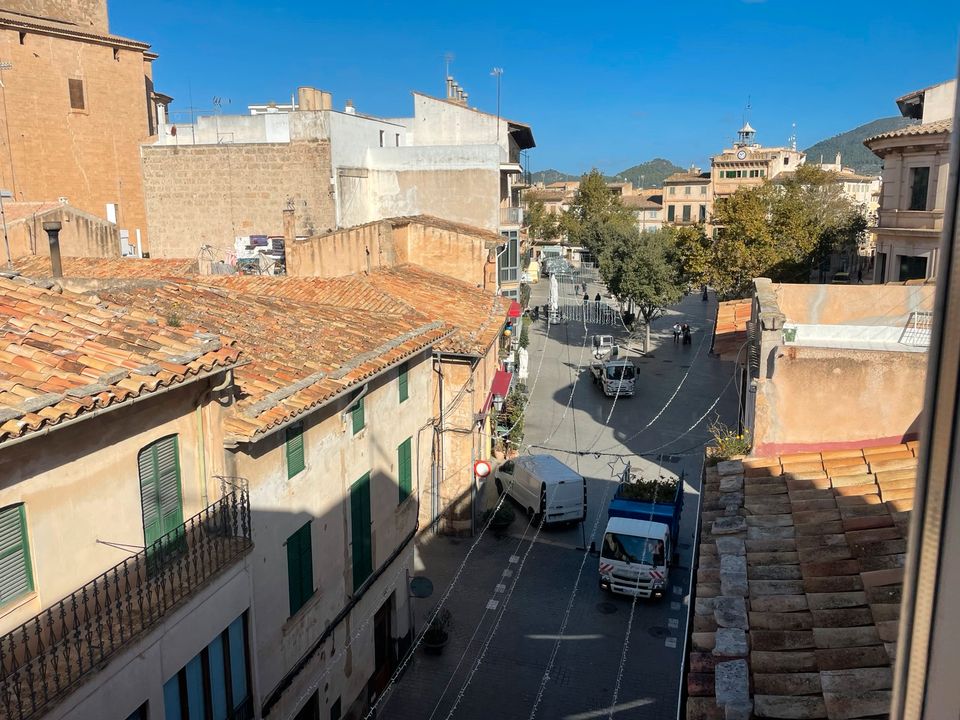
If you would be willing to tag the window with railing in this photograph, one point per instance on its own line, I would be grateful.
(508, 258)
(51, 654)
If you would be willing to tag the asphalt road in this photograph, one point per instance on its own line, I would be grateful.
(533, 634)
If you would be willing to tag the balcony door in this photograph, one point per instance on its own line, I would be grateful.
(160, 494)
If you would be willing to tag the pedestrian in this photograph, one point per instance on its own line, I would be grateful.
(859, 276)
(686, 334)
(704, 295)
(676, 333)
(586, 298)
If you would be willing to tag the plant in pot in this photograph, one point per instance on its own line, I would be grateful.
(437, 634)
(501, 519)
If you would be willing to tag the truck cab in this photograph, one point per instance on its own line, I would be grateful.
(635, 557)
(602, 346)
(615, 376)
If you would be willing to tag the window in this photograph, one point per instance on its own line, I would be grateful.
(23, 38)
(686, 190)
(786, 160)
(116, 54)
(295, 458)
(671, 213)
(362, 548)
(16, 574)
(160, 495)
(77, 100)
(686, 213)
(881, 267)
(762, 173)
(652, 214)
(912, 267)
(381, 138)
(703, 213)
(357, 417)
(673, 190)
(403, 384)
(919, 180)
(300, 568)
(404, 469)
(214, 684)
(398, 139)
(703, 189)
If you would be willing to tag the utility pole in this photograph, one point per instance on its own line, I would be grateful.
(498, 72)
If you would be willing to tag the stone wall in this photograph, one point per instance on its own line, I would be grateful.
(88, 15)
(81, 235)
(90, 156)
(210, 194)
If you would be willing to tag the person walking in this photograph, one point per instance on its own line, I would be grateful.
(860, 276)
(676, 333)
(686, 334)
(703, 296)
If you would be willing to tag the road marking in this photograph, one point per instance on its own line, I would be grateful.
(492, 604)
(508, 573)
(673, 623)
(514, 559)
(674, 605)
(500, 588)
(670, 642)
(677, 590)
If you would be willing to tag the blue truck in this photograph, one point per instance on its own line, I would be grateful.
(641, 536)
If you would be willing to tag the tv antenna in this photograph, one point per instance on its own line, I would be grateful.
(793, 137)
(219, 101)
(447, 60)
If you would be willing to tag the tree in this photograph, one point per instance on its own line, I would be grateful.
(541, 225)
(594, 214)
(641, 268)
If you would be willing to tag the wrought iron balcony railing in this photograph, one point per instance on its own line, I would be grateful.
(48, 656)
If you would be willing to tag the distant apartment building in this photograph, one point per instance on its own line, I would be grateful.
(687, 198)
(748, 164)
(224, 177)
(646, 209)
(915, 171)
(78, 103)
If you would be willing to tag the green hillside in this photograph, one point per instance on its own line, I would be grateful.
(850, 145)
(653, 173)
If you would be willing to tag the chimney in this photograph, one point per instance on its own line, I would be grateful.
(349, 109)
(449, 87)
(289, 226)
(53, 235)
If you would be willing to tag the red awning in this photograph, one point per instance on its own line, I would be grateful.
(500, 386)
(515, 311)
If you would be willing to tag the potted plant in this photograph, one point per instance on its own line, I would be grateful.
(436, 636)
(501, 519)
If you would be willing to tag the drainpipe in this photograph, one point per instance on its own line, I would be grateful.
(438, 476)
(53, 235)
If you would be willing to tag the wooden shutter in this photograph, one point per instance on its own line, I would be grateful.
(16, 578)
(404, 469)
(360, 530)
(358, 418)
(402, 382)
(77, 101)
(300, 568)
(160, 497)
(295, 457)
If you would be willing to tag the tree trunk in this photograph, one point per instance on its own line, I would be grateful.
(646, 337)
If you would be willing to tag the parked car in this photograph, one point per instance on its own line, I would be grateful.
(841, 278)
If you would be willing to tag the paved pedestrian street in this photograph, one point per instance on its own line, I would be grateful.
(533, 635)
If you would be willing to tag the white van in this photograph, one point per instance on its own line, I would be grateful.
(544, 487)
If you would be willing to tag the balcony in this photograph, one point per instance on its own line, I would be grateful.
(49, 656)
(511, 216)
(911, 220)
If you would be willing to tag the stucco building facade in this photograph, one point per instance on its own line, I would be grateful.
(916, 167)
(79, 101)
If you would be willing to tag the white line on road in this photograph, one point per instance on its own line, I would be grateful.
(514, 559)
(492, 604)
(508, 573)
(670, 642)
(500, 588)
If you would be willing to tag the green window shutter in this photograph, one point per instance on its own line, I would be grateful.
(16, 575)
(360, 531)
(295, 457)
(300, 568)
(403, 382)
(358, 418)
(404, 469)
(160, 493)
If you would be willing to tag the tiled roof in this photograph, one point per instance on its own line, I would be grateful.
(63, 355)
(933, 128)
(431, 221)
(730, 332)
(107, 268)
(687, 177)
(301, 354)
(637, 202)
(799, 583)
(31, 22)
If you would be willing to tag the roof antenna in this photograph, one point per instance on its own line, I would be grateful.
(447, 59)
(793, 138)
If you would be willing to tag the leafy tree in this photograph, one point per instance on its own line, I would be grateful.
(541, 225)
(595, 214)
(641, 268)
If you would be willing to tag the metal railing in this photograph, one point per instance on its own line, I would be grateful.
(48, 656)
(511, 216)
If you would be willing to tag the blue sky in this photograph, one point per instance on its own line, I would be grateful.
(603, 84)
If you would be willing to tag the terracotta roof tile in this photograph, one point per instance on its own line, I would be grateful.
(730, 332)
(107, 268)
(932, 128)
(63, 355)
(825, 559)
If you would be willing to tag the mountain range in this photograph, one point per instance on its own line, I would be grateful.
(849, 144)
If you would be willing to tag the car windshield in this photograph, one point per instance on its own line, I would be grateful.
(632, 549)
(620, 372)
